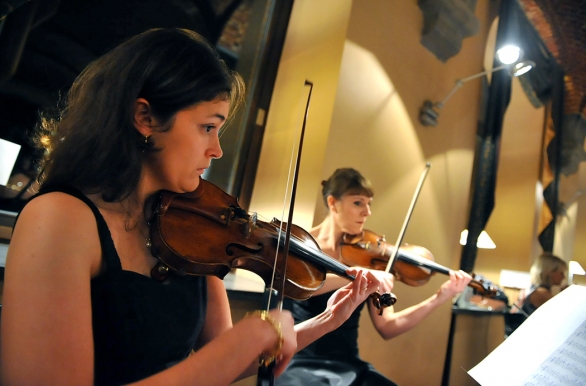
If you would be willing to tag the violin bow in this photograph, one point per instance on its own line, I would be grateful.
(265, 371)
(393, 256)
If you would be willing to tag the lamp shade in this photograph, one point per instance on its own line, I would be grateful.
(484, 241)
(522, 67)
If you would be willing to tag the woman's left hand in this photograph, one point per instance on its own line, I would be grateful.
(458, 282)
(345, 300)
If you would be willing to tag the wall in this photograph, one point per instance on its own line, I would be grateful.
(312, 51)
(385, 77)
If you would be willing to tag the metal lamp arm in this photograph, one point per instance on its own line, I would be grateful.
(460, 82)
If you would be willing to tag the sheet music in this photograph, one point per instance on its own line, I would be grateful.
(566, 365)
(549, 348)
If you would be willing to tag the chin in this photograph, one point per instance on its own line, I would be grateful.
(354, 231)
(193, 186)
(187, 186)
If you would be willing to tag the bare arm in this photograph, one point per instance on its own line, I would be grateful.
(340, 306)
(47, 303)
(392, 324)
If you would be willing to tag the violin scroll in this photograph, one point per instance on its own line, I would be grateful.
(483, 288)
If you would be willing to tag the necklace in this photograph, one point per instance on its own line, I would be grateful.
(131, 223)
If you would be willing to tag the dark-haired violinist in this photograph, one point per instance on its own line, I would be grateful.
(79, 304)
(334, 358)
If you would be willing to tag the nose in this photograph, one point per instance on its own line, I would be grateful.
(367, 211)
(215, 149)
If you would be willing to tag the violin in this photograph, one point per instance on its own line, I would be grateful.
(414, 265)
(206, 232)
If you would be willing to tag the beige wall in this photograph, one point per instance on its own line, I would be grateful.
(385, 77)
(364, 115)
(312, 51)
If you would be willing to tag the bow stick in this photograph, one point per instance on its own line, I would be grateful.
(393, 256)
(277, 288)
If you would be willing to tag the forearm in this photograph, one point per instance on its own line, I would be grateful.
(314, 328)
(307, 332)
(392, 324)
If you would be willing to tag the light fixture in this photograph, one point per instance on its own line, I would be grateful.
(509, 54)
(484, 241)
(8, 155)
(429, 112)
(574, 268)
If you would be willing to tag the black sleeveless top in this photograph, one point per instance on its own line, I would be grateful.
(342, 343)
(140, 326)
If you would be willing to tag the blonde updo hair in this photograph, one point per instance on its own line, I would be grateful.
(543, 266)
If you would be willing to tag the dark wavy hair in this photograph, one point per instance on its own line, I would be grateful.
(93, 145)
(345, 181)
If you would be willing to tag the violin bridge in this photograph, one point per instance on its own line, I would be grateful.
(227, 215)
(365, 246)
(251, 224)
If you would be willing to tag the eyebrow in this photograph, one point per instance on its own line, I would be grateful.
(220, 116)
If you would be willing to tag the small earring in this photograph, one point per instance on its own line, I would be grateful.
(146, 143)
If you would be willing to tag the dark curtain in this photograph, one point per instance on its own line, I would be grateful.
(488, 139)
(543, 84)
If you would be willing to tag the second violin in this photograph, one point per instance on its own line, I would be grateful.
(414, 265)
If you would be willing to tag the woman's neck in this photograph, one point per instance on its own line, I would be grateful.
(135, 208)
(328, 236)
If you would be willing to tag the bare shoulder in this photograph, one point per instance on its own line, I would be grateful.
(56, 226)
(540, 296)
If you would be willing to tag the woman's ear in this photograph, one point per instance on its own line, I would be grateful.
(332, 203)
(143, 119)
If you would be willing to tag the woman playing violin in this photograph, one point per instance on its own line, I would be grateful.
(334, 359)
(80, 306)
